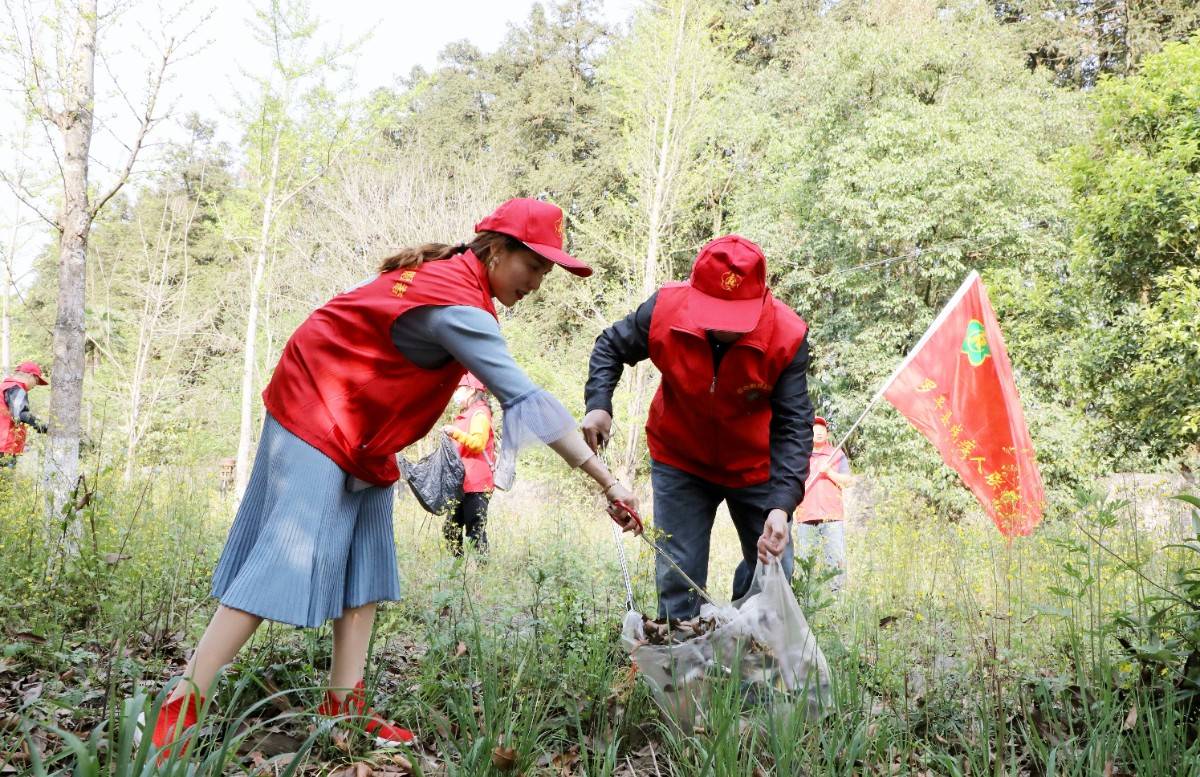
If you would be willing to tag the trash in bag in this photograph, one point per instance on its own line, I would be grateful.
(437, 479)
(763, 639)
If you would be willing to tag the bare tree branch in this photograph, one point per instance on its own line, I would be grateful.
(25, 196)
(52, 144)
(35, 90)
(100, 55)
(147, 122)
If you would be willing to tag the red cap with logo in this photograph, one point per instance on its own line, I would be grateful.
(821, 421)
(32, 368)
(537, 224)
(728, 285)
(470, 381)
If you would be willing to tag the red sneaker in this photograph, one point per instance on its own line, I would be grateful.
(173, 721)
(386, 734)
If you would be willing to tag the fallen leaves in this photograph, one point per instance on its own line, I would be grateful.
(393, 765)
(360, 769)
(675, 631)
(504, 758)
(1130, 719)
(561, 764)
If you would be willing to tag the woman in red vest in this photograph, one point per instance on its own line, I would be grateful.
(364, 376)
(821, 512)
(731, 421)
(472, 430)
(15, 414)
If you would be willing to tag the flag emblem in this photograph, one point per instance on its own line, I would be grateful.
(975, 344)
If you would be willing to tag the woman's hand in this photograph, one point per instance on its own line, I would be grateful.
(625, 513)
(449, 430)
(774, 537)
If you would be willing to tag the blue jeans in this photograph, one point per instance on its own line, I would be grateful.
(685, 507)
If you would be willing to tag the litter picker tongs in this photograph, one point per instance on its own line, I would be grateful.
(616, 529)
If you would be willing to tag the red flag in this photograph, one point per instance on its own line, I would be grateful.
(957, 388)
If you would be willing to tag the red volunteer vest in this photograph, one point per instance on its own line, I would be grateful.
(717, 427)
(12, 431)
(823, 499)
(344, 388)
(478, 476)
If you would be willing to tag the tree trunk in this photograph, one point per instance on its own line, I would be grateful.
(66, 393)
(144, 346)
(242, 469)
(664, 174)
(5, 326)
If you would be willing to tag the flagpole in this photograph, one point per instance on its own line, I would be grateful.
(958, 295)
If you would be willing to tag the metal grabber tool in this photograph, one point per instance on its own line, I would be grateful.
(616, 530)
(653, 546)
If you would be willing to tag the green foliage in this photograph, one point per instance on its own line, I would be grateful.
(900, 151)
(1137, 251)
(1082, 42)
(878, 152)
(952, 651)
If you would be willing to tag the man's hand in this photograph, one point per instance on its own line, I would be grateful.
(596, 428)
(774, 538)
(617, 492)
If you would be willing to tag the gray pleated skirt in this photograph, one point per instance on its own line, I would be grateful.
(303, 548)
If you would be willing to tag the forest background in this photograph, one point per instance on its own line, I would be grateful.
(878, 151)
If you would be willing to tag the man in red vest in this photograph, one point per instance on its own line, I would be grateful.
(15, 414)
(732, 420)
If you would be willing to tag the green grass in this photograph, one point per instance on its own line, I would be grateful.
(1072, 652)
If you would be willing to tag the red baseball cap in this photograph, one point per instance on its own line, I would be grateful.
(32, 368)
(537, 224)
(470, 381)
(821, 421)
(728, 285)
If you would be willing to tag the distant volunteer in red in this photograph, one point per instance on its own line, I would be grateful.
(476, 440)
(821, 513)
(731, 422)
(364, 376)
(15, 414)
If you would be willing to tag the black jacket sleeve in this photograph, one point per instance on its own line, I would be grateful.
(791, 434)
(625, 342)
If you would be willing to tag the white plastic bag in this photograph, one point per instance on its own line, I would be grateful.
(763, 639)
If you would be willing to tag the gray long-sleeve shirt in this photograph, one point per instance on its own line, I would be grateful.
(432, 336)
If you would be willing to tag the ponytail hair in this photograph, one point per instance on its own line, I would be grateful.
(412, 258)
(484, 245)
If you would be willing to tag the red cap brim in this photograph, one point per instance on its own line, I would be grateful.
(561, 258)
(724, 315)
(41, 381)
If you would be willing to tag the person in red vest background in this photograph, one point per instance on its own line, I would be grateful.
(732, 420)
(821, 512)
(367, 374)
(15, 415)
(472, 430)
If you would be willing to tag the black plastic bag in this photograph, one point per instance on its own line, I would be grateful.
(436, 480)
